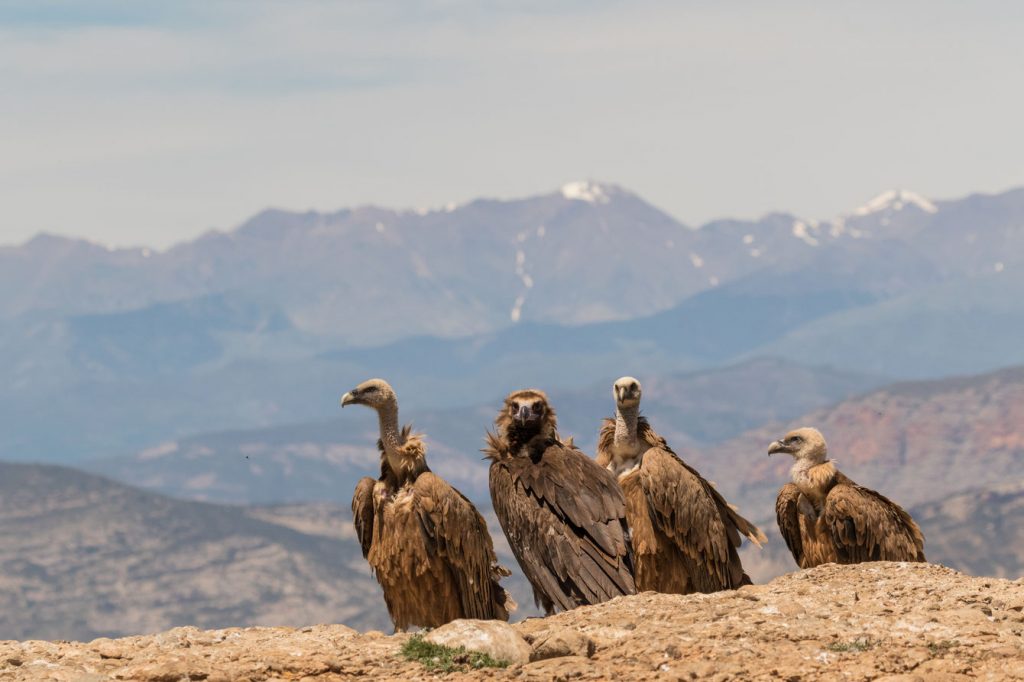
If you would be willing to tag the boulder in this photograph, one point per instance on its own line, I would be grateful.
(498, 640)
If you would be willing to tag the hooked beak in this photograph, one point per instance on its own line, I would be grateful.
(775, 447)
(523, 415)
(347, 399)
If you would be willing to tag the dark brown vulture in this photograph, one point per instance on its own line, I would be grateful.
(825, 517)
(684, 534)
(426, 543)
(563, 515)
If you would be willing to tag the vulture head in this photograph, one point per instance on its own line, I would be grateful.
(526, 413)
(375, 393)
(627, 392)
(805, 443)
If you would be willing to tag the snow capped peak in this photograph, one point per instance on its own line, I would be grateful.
(895, 200)
(584, 190)
(803, 232)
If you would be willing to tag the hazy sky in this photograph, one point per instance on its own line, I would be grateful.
(149, 123)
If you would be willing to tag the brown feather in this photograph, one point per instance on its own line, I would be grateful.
(427, 545)
(684, 534)
(564, 516)
(829, 518)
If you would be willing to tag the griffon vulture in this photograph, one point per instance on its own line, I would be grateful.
(426, 543)
(684, 534)
(826, 517)
(563, 515)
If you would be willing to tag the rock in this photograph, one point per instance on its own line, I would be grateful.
(108, 648)
(498, 640)
(880, 621)
(558, 642)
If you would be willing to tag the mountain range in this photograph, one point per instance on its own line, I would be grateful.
(264, 325)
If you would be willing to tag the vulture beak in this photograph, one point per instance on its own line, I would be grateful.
(347, 399)
(775, 447)
(523, 415)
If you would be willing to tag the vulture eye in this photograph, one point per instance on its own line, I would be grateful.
(537, 409)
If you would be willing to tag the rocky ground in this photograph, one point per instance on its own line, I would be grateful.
(868, 622)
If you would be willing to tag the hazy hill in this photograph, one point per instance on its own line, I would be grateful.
(323, 460)
(83, 557)
(916, 441)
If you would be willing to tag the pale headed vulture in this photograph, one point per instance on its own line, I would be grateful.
(685, 535)
(427, 544)
(826, 517)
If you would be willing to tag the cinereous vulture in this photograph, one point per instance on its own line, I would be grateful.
(826, 517)
(685, 535)
(563, 515)
(426, 543)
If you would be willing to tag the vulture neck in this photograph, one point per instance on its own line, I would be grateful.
(390, 435)
(814, 478)
(627, 443)
(626, 447)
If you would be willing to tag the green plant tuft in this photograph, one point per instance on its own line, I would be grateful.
(446, 659)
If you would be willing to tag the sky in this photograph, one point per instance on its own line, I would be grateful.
(135, 123)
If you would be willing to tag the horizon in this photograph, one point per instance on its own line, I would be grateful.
(451, 207)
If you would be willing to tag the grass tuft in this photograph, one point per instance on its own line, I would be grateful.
(446, 659)
(859, 644)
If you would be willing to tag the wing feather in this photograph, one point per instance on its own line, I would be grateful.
(564, 517)
(867, 526)
(363, 513)
(457, 533)
(787, 514)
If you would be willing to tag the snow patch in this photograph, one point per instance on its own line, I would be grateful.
(541, 231)
(748, 239)
(517, 309)
(801, 232)
(697, 261)
(895, 200)
(583, 190)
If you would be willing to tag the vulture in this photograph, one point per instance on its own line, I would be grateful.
(825, 517)
(563, 515)
(684, 534)
(426, 543)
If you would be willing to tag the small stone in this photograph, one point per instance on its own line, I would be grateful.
(498, 640)
(108, 648)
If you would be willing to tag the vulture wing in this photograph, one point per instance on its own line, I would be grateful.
(866, 526)
(787, 513)
(697, 519)
(564, 517)
(456, 532)
(363, 513)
